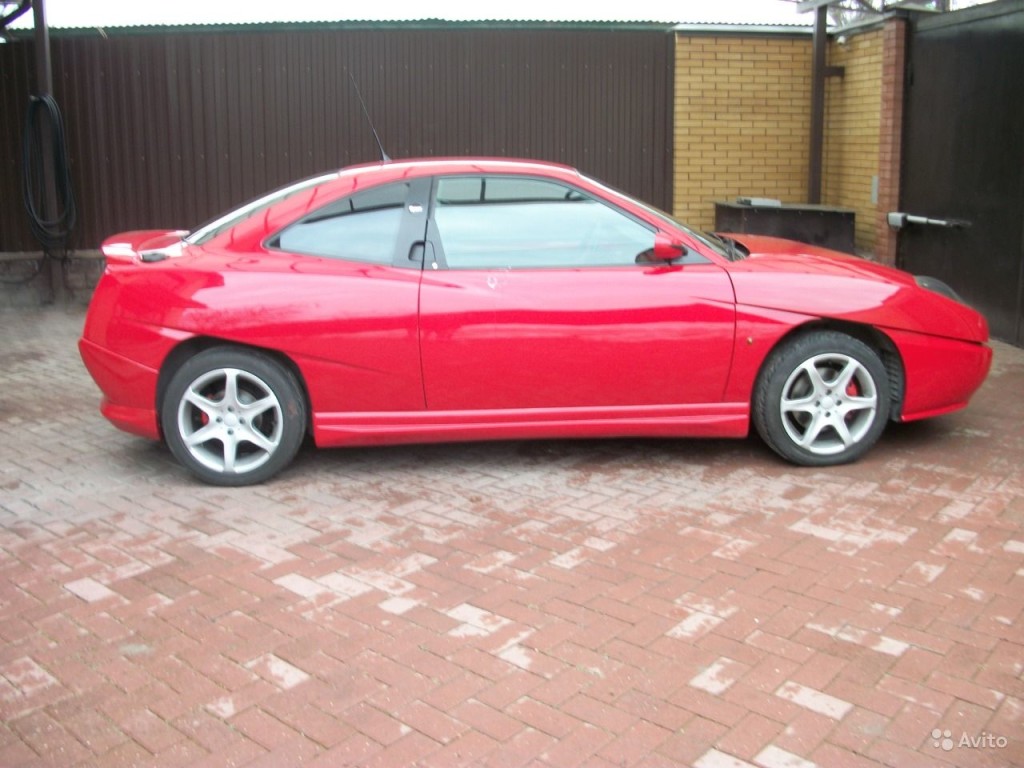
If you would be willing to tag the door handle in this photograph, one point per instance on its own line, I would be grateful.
(899, 220)
(421, 251)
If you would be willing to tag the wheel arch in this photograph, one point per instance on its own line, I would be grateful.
(877, 340)
(191, 347)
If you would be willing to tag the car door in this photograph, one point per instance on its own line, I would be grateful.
(347, 294)
(540, 295)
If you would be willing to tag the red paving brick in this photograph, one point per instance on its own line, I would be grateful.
(592, 603)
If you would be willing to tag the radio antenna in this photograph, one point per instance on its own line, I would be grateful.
(383, 154)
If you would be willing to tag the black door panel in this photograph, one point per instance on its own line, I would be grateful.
(963, 158)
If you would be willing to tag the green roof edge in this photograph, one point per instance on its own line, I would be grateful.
(291, 26)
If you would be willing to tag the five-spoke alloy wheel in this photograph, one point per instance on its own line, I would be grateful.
(233, 417)
(822, 399)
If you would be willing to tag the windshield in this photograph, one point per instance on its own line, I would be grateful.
(216, 226)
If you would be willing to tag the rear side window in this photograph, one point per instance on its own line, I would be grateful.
(361, 227)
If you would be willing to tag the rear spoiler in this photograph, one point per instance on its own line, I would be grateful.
(143, 245)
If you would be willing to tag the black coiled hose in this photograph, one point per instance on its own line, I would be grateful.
(52, 233)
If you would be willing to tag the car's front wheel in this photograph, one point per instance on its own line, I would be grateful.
(822, 399)
(233, 417)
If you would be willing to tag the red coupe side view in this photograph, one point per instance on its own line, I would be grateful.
(474, 299)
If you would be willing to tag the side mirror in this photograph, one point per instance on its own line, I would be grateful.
(667, 249)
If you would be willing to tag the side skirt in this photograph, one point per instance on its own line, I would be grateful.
(382, 428)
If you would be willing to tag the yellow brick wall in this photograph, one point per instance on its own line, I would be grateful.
(742, 116)
(852, 123)
(742, 121)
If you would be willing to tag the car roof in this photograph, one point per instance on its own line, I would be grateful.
(428, 166)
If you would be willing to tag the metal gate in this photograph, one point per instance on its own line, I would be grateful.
(168, 127)
(963, 159)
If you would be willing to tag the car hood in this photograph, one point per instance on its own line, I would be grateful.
(797, 277)
(775, 254)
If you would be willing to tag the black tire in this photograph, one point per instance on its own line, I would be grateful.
(233, 416)
(822, 399)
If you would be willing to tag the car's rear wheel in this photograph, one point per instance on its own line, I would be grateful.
(822, 399)
(233, 417)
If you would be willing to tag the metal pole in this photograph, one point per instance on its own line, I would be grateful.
(44, 87)
(44, 69)
(818, 74)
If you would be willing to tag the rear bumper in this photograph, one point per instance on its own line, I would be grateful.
(129, 390)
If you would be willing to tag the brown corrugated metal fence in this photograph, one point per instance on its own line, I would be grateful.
(169, 129)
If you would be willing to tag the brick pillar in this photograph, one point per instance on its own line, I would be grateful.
(890, 144)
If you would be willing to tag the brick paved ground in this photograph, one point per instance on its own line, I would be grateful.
(598, 603)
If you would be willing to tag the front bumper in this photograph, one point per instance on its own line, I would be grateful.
(941, 374)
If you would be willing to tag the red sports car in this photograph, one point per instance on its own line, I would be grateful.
(473, 299)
